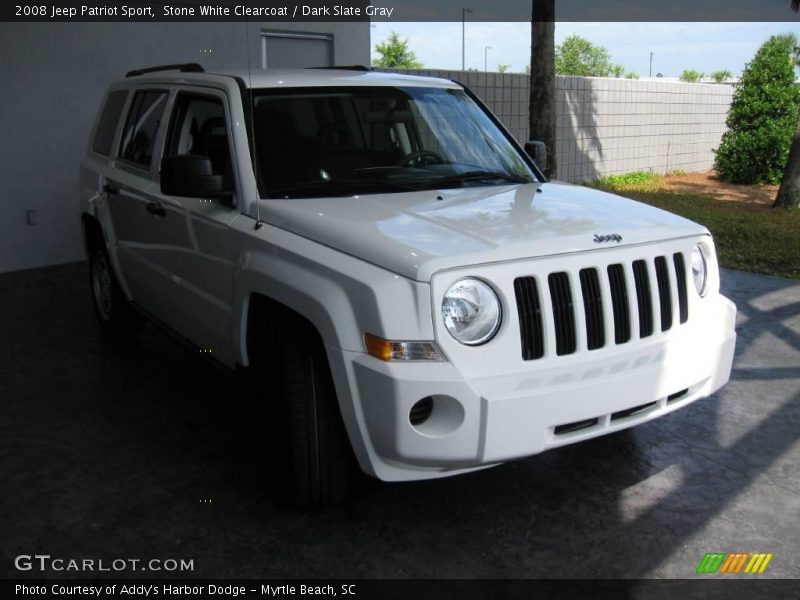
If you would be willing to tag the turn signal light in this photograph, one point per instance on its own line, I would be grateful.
(390, 351)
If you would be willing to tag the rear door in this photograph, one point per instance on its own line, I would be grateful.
(129, 189)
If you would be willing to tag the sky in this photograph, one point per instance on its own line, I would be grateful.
(704, 47)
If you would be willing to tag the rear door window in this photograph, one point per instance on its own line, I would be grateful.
(141, 127)
(107, 125)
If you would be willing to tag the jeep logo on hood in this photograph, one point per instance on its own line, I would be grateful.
(604, 239)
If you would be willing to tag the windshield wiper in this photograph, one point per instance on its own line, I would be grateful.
(468, 176)
(337, 187)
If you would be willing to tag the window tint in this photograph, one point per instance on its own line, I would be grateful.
(350, 140)
(107, 125)
(141, 127)
(198, 127)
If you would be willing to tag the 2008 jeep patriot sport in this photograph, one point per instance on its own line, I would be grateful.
(435, 304)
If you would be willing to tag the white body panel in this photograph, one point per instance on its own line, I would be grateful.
(380, 265)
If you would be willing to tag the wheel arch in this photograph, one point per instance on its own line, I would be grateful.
(92, 232)
(262, 312)
(259, 330)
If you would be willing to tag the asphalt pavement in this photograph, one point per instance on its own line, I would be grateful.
(147, 452)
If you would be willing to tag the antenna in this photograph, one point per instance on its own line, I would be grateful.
(252, 133)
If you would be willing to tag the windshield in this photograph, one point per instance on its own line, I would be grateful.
(313, 142)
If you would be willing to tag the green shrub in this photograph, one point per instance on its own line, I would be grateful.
(691, 76)
(762, 117)
(721, 76)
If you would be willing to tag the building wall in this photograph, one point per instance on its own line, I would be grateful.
(54, 76)
(607, 126)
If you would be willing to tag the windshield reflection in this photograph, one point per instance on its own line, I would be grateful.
(341, 141)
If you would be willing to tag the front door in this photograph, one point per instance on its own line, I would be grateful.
(196, 257)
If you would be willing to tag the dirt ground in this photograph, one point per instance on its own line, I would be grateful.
(708, 184)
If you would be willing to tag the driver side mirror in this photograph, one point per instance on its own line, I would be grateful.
(191, 176)
(537, 150)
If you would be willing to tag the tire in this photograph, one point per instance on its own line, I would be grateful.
(117, 318)
(321, 460)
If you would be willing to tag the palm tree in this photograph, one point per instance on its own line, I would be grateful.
(789, 192)
(543, 78)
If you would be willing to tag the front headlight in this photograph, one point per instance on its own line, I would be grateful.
(471, 312)
(699, 270)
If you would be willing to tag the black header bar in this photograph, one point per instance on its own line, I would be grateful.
(395, 10)
(406, 589)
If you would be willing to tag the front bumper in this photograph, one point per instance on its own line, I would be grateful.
(487, 420)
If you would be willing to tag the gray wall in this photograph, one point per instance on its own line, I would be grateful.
(607, 126)
(53, 79)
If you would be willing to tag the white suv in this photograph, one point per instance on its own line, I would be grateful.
(434, 304)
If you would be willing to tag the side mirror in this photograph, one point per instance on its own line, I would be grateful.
(191, 176)
(537, 150)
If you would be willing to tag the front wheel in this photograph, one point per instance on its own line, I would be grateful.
(321, 458)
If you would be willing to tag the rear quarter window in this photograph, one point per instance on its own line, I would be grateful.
(107, 125)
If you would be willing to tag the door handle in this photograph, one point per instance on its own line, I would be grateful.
(154, 208)
(110, 189)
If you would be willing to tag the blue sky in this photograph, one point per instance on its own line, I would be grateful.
(705, 47)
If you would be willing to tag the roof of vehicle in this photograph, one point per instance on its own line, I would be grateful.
(275, 78)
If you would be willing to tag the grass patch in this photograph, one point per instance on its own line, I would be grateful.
(634, 181)
(747, 237)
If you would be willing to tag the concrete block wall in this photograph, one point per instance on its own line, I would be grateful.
(609, 126)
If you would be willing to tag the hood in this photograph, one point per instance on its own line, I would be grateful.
(416, 234)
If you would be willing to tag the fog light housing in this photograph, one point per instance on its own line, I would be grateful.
(421, 411)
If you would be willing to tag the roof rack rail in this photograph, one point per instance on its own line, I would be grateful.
(345, 68)
(183, 68)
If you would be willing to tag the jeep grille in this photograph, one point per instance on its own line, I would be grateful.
(643, 281)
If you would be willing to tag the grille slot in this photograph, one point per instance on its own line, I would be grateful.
(664, 292)
(593, 309)
(619, 304)
(530, 318)
(642, 281)
(563, 312)
(680, 275)
(633, 411)
(677, 395)
(576, 426)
